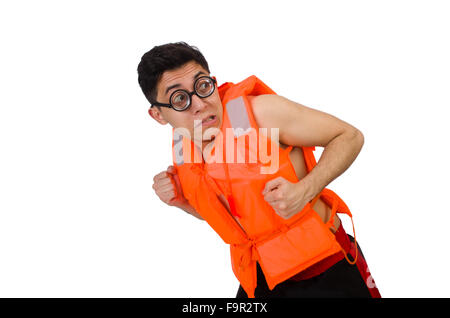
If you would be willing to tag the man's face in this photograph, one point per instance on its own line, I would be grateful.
(200, 109)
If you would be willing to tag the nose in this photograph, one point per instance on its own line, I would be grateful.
(198, 104)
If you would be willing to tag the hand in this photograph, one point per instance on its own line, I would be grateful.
(167, 187)
(285, 197)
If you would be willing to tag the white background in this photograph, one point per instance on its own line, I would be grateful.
(78, 215)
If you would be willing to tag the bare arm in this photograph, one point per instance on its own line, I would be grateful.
(190, 209)
(336, 157)
(300, 125)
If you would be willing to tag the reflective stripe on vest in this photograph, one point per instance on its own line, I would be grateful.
(238, 116)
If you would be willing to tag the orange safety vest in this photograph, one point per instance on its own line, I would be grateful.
(254, 231)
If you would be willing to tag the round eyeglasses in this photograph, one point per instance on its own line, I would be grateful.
(180, 99)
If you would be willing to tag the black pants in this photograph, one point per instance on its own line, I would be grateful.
(340, 280)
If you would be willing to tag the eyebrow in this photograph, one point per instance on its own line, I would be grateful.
(178, 85)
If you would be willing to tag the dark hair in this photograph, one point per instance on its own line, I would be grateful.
(163, 58)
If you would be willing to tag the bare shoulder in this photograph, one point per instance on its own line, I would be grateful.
(263, 109)
(272, 111)
(268, 111)
(297, 124)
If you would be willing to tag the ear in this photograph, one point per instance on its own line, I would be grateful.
(156, 114)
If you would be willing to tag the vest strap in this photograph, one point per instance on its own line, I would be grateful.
(230, 195)
(330, 224)
(247, 258)
(356, 247)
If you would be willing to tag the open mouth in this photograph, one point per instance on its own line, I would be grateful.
(210, 120)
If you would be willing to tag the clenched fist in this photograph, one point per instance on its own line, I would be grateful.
(168, 188)
(285, 197)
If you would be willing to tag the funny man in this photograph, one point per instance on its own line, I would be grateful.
(243, 161)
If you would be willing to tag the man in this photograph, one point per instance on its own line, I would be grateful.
(175, 78)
